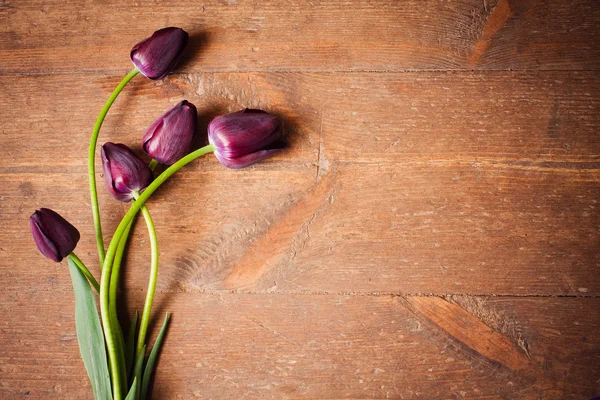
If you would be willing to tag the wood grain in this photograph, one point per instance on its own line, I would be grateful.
(471, 331)
(425, 234)
(312, 346)
(295, 35)
(541, 120)
(430, 233)
(482, 183)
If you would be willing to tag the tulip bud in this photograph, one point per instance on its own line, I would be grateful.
(157, 55)
(125, 173)
(54, 236)
(245, 137)
(170, 137)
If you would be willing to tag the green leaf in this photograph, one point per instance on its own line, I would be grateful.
(89, 335)
(137, 371)
(152, 357)
(130, 345)
(120, 347)
(132, 395)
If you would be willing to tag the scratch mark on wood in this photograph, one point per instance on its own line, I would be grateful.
(322, 163)
(470, 331)
(498, 17)
(569, 283)
(273, 331)
(554, 122)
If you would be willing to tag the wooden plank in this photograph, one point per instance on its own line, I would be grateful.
(500, 201)
(498, 230)
(65, 121)
(535, 119)
(299, 35)
(314, 346)
(538, 120)
(438, 150)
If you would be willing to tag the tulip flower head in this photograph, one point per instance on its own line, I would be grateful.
(125, 174)
(157, 55)
(170, 137)
(245, 137)
(54, 236)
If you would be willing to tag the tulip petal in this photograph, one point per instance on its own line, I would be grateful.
(44, 244)
(54, 236)
(124, 172)
(151, 132)
(171, 136)
(244, 161)
(243, 132)
(158, 54)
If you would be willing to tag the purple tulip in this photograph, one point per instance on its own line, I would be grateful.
(125, 173)
(54, 236)
(170, 137)
(245, 137)
(158, 54)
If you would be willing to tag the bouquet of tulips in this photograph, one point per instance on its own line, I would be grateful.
(117, 363)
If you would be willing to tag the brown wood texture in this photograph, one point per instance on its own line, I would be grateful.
(489, 187)
(430, 233)
(43, 36)
(284, 346)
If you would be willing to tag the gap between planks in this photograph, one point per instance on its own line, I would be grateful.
(124, 70)
(328, 293)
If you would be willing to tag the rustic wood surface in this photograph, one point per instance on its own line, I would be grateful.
(432, 231)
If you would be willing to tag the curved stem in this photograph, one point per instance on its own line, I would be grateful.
(85, 271)
(151, 283)
(92, 161)
(110, 255)
(114, 285)
(114, 276)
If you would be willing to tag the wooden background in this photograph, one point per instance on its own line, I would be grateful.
(432, 232)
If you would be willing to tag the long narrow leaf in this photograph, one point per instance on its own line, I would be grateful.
(152, 358)
(132, 395)
(130, 345)
(89, 335)
(137, 371)
(120, 346)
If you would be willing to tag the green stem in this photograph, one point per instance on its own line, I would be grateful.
(151, 283)
(114, 276)
(114, 285)
(85, 271)
(110, 255)
(92, 161)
